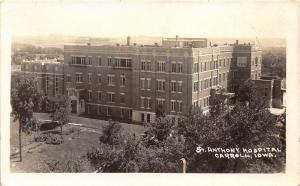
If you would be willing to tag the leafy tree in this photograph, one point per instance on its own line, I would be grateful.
(23, 95)
(164, 143)
(217, 101)
(160, 111)
(111, 133)
(245, 92)
(61, 112)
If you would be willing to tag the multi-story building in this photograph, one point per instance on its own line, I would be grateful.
(49, 75)
(130, 81)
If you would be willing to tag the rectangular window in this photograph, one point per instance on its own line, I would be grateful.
(179, 106)
(142, 102)
(196, 86)
(90, 60)
(143, 65)
(122, 98)
(78, 60)
(179, 65)
(196, 67)
(109, 61)
(160, 101)
(204, 66)
(68, 78)
(148, 103)
(201, 68)
(108, 111)
(223, 76)
(148, 118)
(173, 68)
(99, 61)
(79, 78)
(73, 61)
(99, 96)
(111, 78)
(179, 86)
(220, 78)
(148, 83)
(201, 86)
(161, 66)
(173, 86)
(207, 83)
(143, 84)
(89, 78)
(160, 85)
(173, 102)
(123, 80)
(148, 67)
(90, 95)
(111, 97)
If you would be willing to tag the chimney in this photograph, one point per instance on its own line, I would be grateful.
(134, 44)
(88, 44)
(156, 44)
(128, 41)
(210, 43)
(176, 40)
(237, 42)
(118, 44)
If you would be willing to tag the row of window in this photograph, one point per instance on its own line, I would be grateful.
(110, 97)
(56, 84)
(176, 67)
(204, 102)
(105, 110)
(110, 78)
(210, 65)
(176, 86)
(176, 106)
(35, 67)
(118, 62)
(208, 83)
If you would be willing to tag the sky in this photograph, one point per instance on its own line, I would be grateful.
(155, 18)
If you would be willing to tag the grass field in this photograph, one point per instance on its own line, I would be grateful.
(39, 156)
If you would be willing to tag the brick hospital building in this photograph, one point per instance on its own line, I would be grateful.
(129, 82)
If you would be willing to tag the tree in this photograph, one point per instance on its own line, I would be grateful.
(164, 143)
(111, 133)
(61, 112)
(23, 96)
(245, 92)
(160, 111)
(217, 101)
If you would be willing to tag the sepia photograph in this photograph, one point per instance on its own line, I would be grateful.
(148, 87)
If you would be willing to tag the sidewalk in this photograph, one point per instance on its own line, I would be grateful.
(94, 123)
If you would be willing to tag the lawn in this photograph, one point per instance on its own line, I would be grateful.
(42, 157)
